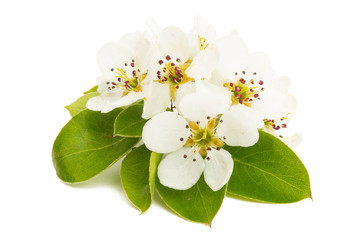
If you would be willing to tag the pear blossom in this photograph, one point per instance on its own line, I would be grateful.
(201, 36)
(193, 139)
(123, 67)
(174, 71)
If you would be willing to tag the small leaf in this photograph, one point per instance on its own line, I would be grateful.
(86, 146)
(80, 104)
(93, 89)
(197, 204)
(269, 171)
(129, 123)
(134, 174)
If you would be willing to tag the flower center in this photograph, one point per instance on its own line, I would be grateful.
(203, 138)
(125, 82)
(244, 91)
(173, 73)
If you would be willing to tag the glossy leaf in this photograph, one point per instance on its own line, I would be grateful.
(269, 171)
(129, 123)
(80, 104)
(134, 175)
(197, 204)
(86, 146)
(93, 89)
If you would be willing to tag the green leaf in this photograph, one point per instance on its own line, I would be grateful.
(129, 123)
(93, 89)
(137, 176)
(197, 204)
(269, 171)
(155, 159)
(80, 104)
(86, 146)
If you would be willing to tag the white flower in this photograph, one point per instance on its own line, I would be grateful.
(282, 110)
(124, 77)
(201, 36)
(173, 71)
(193, 140)
(251, 80)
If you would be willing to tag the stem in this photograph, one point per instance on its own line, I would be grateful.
(172, 105)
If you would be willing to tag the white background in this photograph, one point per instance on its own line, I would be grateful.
(47, 59)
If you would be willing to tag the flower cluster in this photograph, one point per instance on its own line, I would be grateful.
(200, 93)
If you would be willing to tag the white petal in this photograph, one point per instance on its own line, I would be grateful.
(293, 141)
(274, 105)
(176, 171)
(183, 90)
(202, 28)
(113, 55)
(207, 87)
(165, 132)
(157, 101)
(239, 126)
(96, 103)
(204, 63)
(140, 44)
(280, 84)
(128, 99)
(198, 106)
(258, 67)
(110, 100)
(218, 168)
(174, 42)
(233, 55)
(153, 26)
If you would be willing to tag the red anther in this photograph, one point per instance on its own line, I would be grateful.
(132, 64)
(231, 84)
(160, 62)
(177, 87)
(158, 72)
(256, 95)
(113, 83)
(237, 89)
(251, 90)
(246, 99)
(172, 64)
(208, 149)
(134, 73)
(238, 96)
(119, 79)
(252, 82)
(242, 80)
(284, 125)
(241, 101)
(261, 82)
(168, 57)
